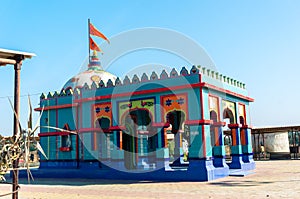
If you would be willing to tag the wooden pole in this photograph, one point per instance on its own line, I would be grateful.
(4, 61)
(89, 41)
(17, 68)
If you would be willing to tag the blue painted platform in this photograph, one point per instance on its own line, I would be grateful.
(195, 171)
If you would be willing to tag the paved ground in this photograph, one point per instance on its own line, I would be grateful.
(272, 179)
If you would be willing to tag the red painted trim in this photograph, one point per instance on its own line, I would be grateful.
(89, 130)
(245, 116)
(232, 126)
(57, 133)
(56, 107)
(246, 127)
(65, 149)
(121, 140)
(218, 124)
(234, 138)
(161, 124)
(77, 137)
(201, 103)
(136, 147)
(216, 136)
(243, 136)
(226, 91)
(56, 118)
(117, 128)
(158, 90)
(162, 111)
(93, 135)
(202, 117)
(199, 122)
(218, 104)
(81, 136)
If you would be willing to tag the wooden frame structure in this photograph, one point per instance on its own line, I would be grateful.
(11, 57)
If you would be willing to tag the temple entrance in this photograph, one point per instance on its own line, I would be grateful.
(105, 138)
(176, 137)
(229, 119)
(137, 139)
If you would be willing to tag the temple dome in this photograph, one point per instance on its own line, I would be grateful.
(94, 73)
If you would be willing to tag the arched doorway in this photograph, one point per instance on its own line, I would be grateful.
(213, 116)
(228, 117)
(176, 119)
(227, 114)
(102, 123)
(136, 140)
(104, 137)
(175, 136)
(66, 140)
(213, 137)
(242, 120)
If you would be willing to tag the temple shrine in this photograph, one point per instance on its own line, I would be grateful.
(191, 124)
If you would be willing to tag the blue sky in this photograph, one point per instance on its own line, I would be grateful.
(256, 42)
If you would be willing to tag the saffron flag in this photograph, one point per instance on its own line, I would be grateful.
(95, 32)
(94, 46)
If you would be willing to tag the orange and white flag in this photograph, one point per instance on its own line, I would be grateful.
(95, 32)
(94, 46)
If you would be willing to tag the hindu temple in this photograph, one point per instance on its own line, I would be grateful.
(191, 124)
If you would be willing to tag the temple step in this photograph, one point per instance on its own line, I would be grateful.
(239, 172)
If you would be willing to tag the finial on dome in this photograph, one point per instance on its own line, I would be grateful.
(95, 63)
(95, 53)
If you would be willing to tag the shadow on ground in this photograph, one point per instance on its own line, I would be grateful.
(240, 183)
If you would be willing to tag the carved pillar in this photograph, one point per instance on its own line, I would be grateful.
(236, 148)
(247, 153)
(218, 148)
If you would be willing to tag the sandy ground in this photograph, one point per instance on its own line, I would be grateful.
(272, 179)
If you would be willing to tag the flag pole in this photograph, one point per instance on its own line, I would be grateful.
(89, 40)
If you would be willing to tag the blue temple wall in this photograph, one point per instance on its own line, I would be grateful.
(194, 105)
(51, 144)
(196, 147)
(67, 155)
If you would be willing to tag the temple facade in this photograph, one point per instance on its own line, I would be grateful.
(191, 124)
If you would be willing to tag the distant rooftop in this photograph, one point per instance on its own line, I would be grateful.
(275, 129)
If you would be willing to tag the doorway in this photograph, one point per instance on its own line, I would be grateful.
(228, 118)
(104, 137)
(213, 130)
(175, 136)
(135, 139)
